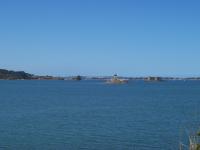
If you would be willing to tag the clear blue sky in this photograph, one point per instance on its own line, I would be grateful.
(101, 37)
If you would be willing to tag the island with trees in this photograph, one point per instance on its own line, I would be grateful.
(21, 75)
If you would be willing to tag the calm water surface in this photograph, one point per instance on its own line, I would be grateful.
(91, 115)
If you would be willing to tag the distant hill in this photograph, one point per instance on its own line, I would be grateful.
(13, 75)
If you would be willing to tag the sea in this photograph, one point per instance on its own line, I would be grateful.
(93, 115)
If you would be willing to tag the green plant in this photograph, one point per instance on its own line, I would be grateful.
(198, 147)
(198, 133)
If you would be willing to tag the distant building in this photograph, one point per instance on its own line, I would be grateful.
(153, 79)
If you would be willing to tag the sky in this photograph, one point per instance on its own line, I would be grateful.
(101, 37)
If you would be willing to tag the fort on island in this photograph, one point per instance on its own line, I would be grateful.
(116, 80)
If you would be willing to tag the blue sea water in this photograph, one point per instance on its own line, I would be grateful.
(92, 115)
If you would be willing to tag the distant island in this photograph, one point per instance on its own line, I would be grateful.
(21, 75)
(77, 78)
(13, 75)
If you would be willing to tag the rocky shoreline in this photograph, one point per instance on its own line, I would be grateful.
(21, 75)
